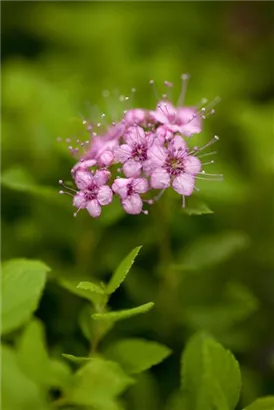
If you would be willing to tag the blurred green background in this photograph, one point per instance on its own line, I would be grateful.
(212, 271)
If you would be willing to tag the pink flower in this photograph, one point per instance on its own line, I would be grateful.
(93, 193)
(102, 146)
(173, 166)
(129, 190)
(135, 116)
(133, 154)
(184, 120)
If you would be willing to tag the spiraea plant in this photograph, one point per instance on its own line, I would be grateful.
(144, 152)
(210, 375)
(137, 159)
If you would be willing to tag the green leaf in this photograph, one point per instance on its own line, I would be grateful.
(264, 403)
(19, 179)
(235, 305)
(137, 355)
(60, 374)
(76, 359)
(18, 391)
(91, 287)
(195, 206)
(32, 345)
(211, 250)
(72, 286)
(144, 394)
(93, 330)
(22, 285)
(98, 383)
(122, 271)
(211, 376)
(123, 314)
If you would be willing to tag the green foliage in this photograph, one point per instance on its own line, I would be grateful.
(195, 206)
(235, 305)
(75, 359)
(211, 250)
(210, 375)
(19, 179)
(91, 287)
(137, 355)
(123, 314)
(212, 273)
(22, 284)
(121, 272)
(265, 403)
(32, 345)
(98, 383)
(18, 391)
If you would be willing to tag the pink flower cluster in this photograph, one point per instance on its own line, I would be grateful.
(146, 151)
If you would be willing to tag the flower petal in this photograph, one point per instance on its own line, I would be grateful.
(133, 204)
(83, 179)
(123, 153)
(184, 184)
(156, 154)
(192, 165)
(140, 185)
(177, 144)
(135, 135)
(189, 121)
(135, 116)
(83, 165)
(120, 186)
(104, 195)
(132, 168)
(94, 208)
(160, 179)
(101, 177)
(79, 200)
(106, 158)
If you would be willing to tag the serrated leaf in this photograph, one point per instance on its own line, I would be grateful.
(264, 403)
(98, 383)
(211, 250)
(195, 206)
(123, 314)
(121, 272)
(211, 376)
(22, 285)
(137, 355)
(72, 286)
(18, 391)
(76, 359)
(91, 287)
(32, 345)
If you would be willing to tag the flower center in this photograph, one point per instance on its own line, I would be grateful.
(130, 189)
(91, 192)
(174, 165)
(139, 152)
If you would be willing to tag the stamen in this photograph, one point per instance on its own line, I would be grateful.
(212, 141)
(185, 78)
(61, 182)
(152, 83)
(206, 155)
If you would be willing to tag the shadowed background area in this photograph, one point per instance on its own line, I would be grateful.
(212, 271)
